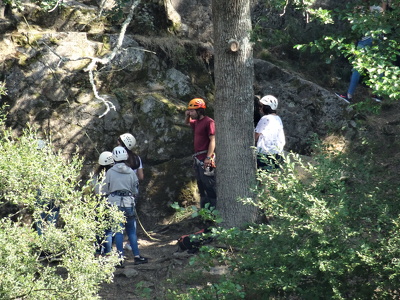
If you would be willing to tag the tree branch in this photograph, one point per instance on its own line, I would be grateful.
(284, 9)
(108, 58)
(58, 2)
(94, 61)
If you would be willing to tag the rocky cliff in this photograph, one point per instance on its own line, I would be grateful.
(146, 86)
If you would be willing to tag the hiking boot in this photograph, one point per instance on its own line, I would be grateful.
(140, 260)
(344, 97)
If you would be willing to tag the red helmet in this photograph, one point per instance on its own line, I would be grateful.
(196, 103)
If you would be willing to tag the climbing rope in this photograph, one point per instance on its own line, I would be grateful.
(141, 225)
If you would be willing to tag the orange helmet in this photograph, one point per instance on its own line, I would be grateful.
(196, 103)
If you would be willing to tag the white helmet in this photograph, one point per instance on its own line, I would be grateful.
(106, 158)
(270, 100)
(128, 140)
(120, 153)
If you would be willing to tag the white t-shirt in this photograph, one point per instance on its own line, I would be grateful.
(272, 137)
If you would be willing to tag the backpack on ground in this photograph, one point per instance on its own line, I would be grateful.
(192, 242)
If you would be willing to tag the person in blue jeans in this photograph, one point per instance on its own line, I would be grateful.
(121, 185)
(355, 75)
(128, 141)
(106, 161)
(47, 210)
(366, 41)
(49, 213)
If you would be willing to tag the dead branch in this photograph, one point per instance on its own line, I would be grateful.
(55, 6)
(94, 61)
(284, 9)
(108, 58)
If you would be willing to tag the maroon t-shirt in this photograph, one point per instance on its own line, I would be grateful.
(202, 130)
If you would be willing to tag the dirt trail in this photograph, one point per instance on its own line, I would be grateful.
(161, 249)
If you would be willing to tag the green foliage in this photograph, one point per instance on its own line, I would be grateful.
(225, 290)
(48, 5)
(365, 107)
(332, 233)
(3, 89)
(143, 290)
(31, 173)
(144, 18)
(180, 212)
(207, 213)
(378, 63)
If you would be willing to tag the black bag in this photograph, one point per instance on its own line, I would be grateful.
(193, 242)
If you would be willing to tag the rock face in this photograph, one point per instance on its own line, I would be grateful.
(149, 83)
(306, 109)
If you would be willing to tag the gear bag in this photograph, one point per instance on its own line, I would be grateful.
(192, 242)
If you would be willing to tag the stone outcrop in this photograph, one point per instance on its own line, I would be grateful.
(149, 83)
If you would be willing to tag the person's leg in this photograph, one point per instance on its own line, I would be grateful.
(260, 161)
(208, 182)
(198, 170)
(54, 213)
(119, 240)
(107, 243)
(39, 223)
(99, 245)
(206, 185)
(263, 162)
(48, 216)
(130, 227)
(354, 80)
(355, 76)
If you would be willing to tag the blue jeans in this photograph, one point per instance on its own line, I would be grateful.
(355, 76)
(130, 227)
(49, 215)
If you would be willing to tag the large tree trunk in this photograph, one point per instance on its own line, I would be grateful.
(234, 107)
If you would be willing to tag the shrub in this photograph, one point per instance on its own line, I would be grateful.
(30, 176)
(331, 234)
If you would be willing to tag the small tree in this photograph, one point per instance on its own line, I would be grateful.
(29, 176)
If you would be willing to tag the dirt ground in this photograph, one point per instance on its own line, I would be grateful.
(146, 281)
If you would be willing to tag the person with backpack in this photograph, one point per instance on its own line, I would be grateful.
(128, 141)
(121, 187)
(46, 207)
(269, 135)
(106, 161)
(204, 147)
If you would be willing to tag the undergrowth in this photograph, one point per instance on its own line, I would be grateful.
(332, 233)
(42, 256)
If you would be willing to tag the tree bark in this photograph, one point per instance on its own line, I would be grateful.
(234, 105)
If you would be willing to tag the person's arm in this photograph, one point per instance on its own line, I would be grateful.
(256, 137)
(187, 118)
(385, 5)
(139, 171)
(210, 151)
(140, 174)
